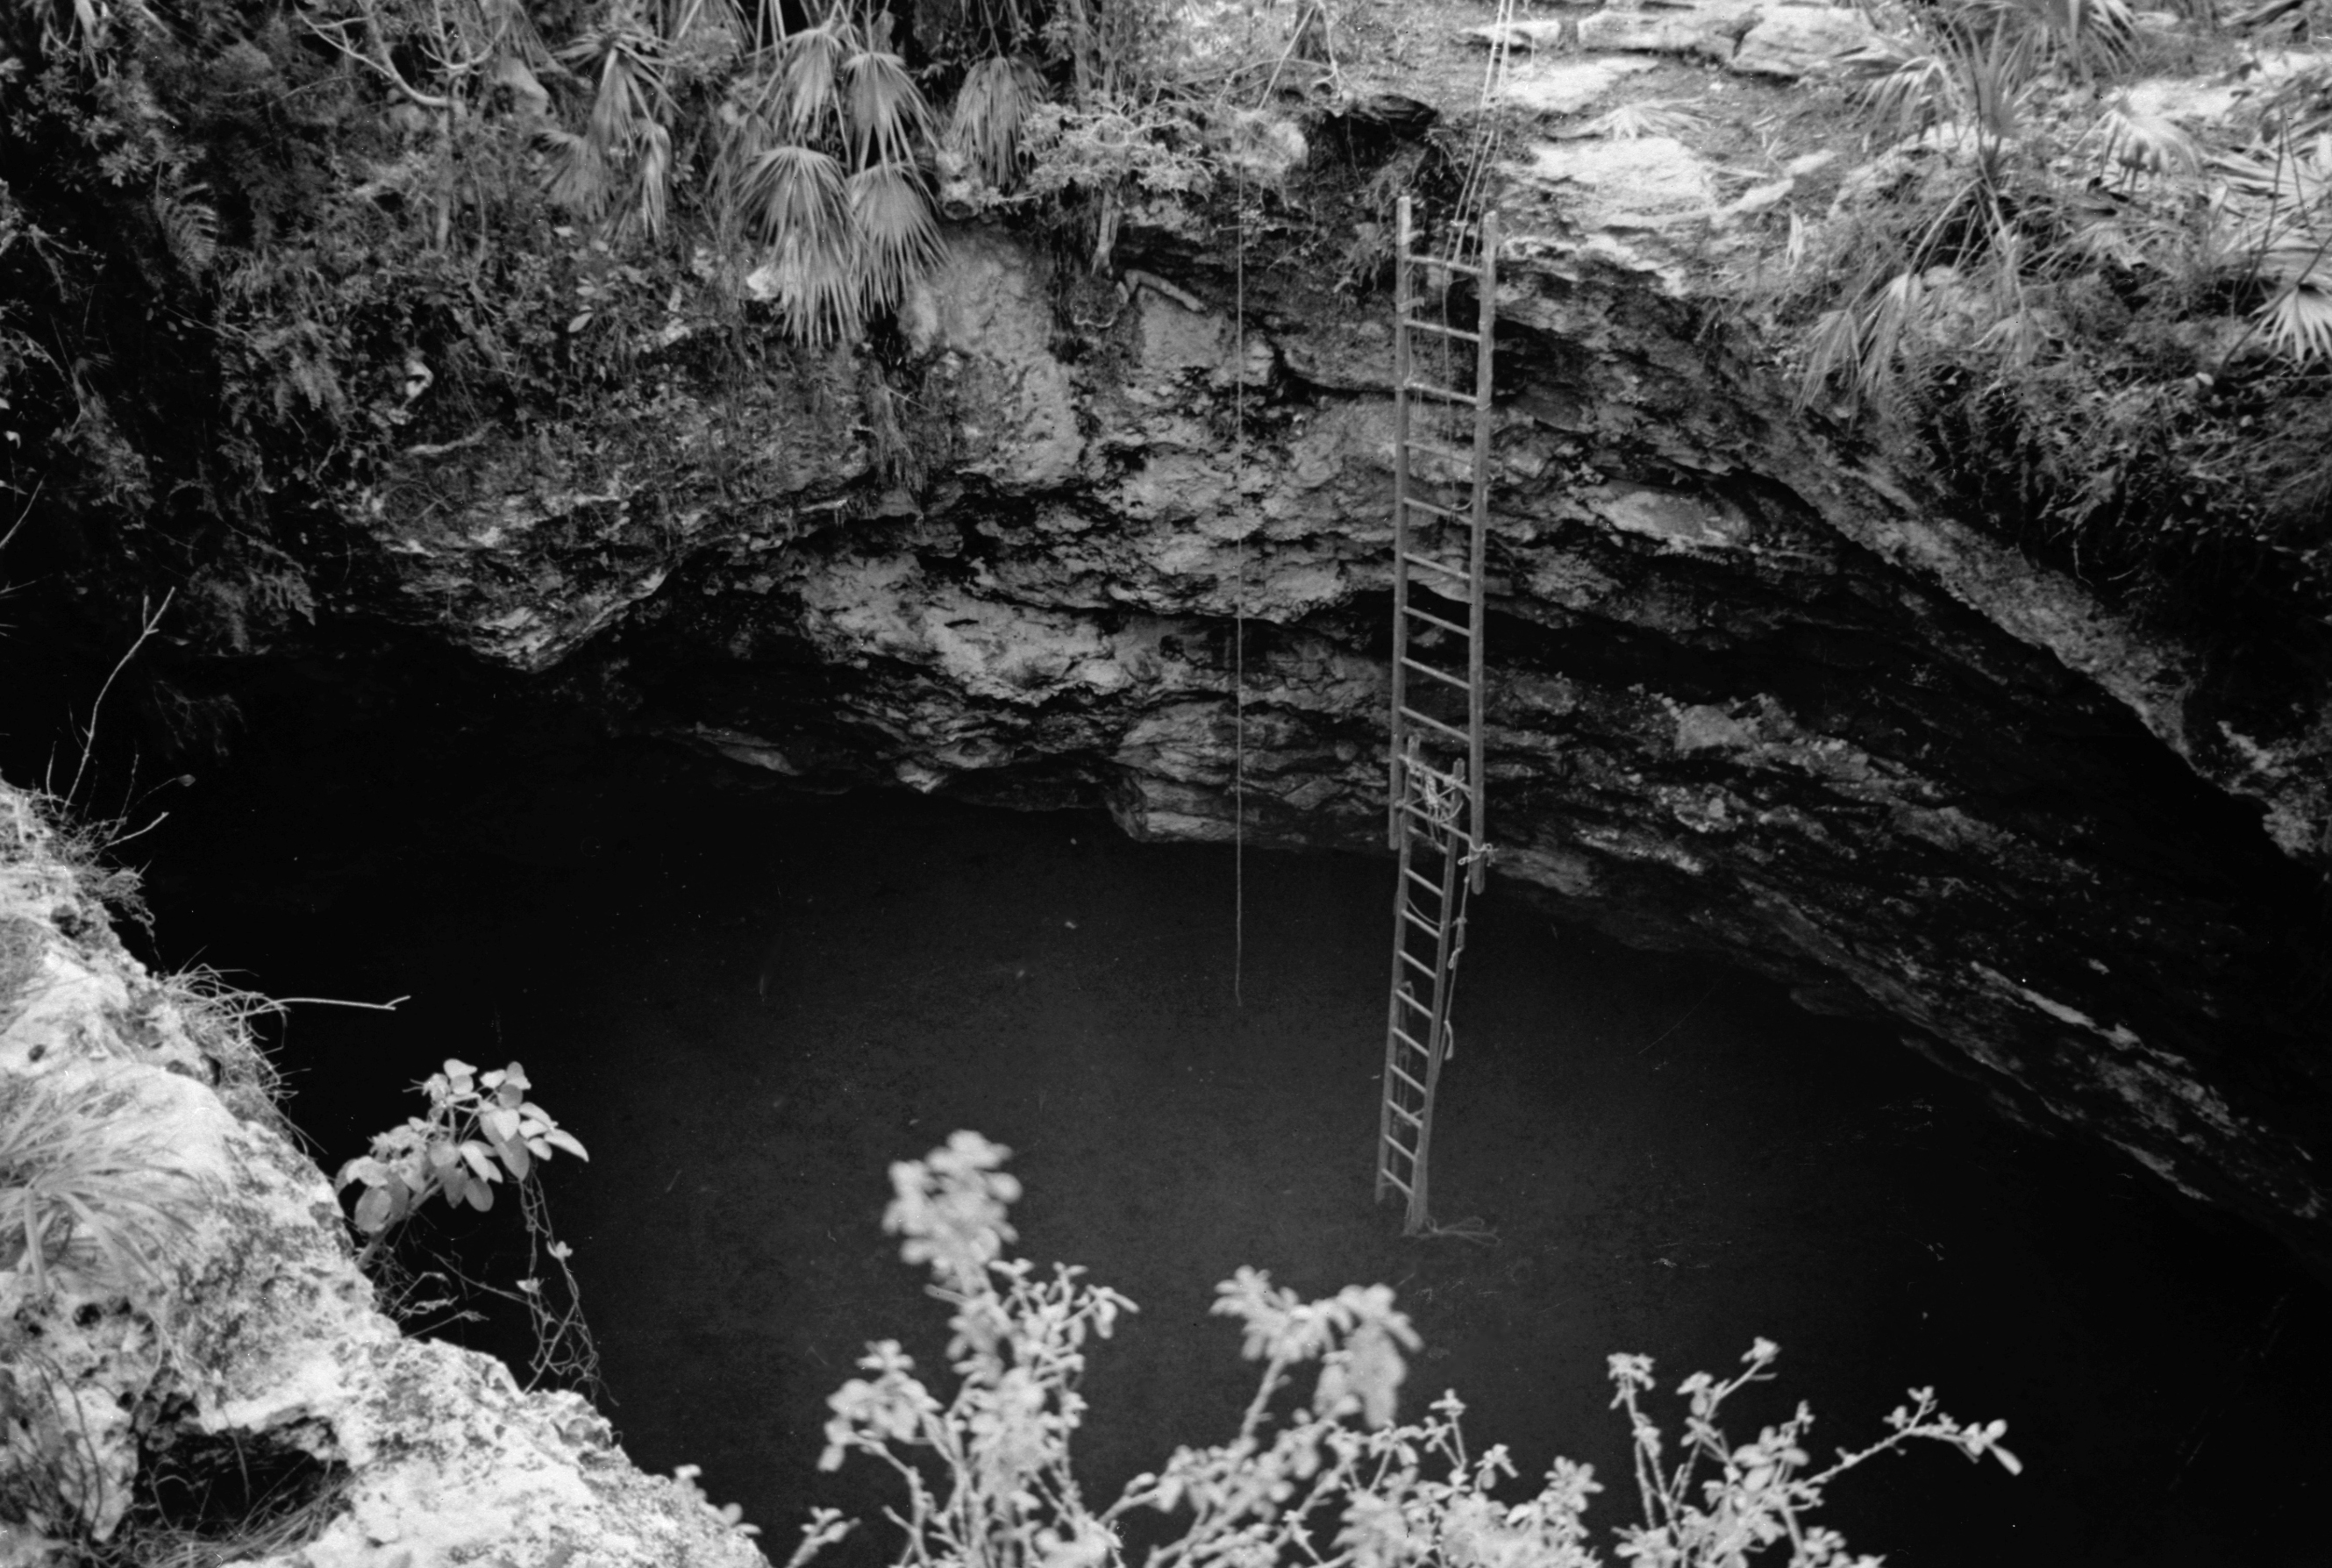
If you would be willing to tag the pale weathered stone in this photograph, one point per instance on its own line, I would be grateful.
(1709, 31)
(1641, 182)
(1532, 33)
(1789, 42)
(1569, 86)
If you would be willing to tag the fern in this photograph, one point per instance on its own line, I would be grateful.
(190, 226)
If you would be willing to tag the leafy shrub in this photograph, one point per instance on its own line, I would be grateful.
(987, 1472)
(479, 1128)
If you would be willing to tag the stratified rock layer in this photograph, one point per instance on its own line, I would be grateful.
(1748, 693)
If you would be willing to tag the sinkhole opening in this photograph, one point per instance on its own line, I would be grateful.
(746, 1001)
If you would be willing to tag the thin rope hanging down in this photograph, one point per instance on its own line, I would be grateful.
(1239, 602)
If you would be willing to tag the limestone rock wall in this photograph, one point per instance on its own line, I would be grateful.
(1750, 694)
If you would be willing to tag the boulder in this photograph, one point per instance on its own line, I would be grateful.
(1709, 31)
(1568, 87)
(1793, 40)
(1538, 33)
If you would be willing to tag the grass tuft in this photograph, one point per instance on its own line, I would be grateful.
(83, 1194)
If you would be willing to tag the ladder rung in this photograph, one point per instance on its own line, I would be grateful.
(1385, 1173)
(1420, 965)
(1414, 558)
(1411, 997)
(1427, 615)
(1437, 509)
(1438, 825)
(1451, 731)
(1444, 676)
(1412, 1117)
(1427, 389)
(1422, 879)
(1414, 325)
(1403, 1077)
(1421, 923)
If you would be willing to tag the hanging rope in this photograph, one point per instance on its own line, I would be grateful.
(1238, 601)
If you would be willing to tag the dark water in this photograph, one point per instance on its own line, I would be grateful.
(746, 1004)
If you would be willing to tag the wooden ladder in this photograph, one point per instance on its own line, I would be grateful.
(1434, 810)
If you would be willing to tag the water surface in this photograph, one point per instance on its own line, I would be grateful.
(747, 1003)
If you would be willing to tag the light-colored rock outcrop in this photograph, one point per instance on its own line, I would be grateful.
(193, 1290)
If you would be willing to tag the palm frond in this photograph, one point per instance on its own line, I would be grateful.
(799, 193)
(575, 176)
(1891, 312)
(650, 200)
(990, 110)
(888, 119)
(803, 75)
(2147, 143)
(1632, 121)
(625, 146)
(1907, 91)
(2297, 321)
(2101, 29)
(816, 288)
(1834, 350)
(898, 239)
(2000, 76)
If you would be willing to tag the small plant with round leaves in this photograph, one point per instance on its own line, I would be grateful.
(480, 1130)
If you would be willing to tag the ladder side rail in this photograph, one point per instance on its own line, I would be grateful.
(1418, 1215)
(1396, 783)
(1478, 780)
(1393, 1022)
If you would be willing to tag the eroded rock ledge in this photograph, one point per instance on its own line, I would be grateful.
(203, 1300)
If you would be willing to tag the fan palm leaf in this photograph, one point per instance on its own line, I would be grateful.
(1834, 350)
(795, 192)
(815, 287)
(886, 114)
(1907, 89)
(898, 239)
(992, 109)
(2105, 29)
(1890, 312)
(2297, 321)
(2147, 143)
(806, 96)
(1632, 121)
